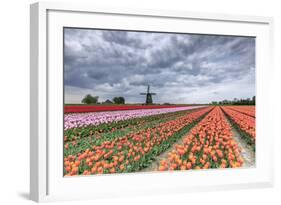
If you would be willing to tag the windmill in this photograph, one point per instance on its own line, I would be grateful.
(148, 96)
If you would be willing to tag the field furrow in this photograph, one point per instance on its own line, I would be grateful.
(247, 110)
(210, 144)
(133, 151)
(79, 139)
(244, 124)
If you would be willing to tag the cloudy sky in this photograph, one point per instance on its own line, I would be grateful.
(180, 68)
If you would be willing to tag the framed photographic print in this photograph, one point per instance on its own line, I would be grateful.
(147, 101)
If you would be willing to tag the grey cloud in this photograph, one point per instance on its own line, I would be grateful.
(122, 38)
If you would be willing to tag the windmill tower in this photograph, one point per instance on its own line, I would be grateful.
(148, 96)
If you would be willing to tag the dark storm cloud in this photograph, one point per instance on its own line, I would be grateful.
(122, 38)
(113, 63)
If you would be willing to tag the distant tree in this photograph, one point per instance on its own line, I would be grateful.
(119, 100)
(236, 101)
(225, 102)
(254, 100)
(88, 99)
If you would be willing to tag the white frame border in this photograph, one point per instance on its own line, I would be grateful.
(38, 82)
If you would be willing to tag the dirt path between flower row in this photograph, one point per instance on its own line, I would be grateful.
(247, 151)
(155, 164)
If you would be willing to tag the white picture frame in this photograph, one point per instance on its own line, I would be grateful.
(46, 23)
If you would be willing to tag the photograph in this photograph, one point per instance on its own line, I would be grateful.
(149, 101)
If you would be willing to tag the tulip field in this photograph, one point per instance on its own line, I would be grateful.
(120, 140)
(245, 123)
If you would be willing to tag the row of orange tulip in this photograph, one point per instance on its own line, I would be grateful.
(210, 144)
(245, 122)
(248, 110)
